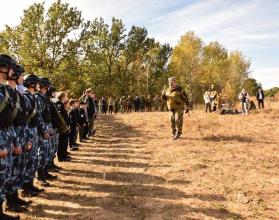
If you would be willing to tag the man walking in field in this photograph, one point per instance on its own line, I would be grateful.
(176, 100)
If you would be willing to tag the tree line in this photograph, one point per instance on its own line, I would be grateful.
(75, 54)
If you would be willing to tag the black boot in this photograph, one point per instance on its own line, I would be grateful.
(29, 190)
(21, 201)
(48, 176)
(36, 189)
(12, 205)
(3, 216)
(41, 178)
(54, 168)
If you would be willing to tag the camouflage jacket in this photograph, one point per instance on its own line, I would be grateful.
(176, 98)
(42, 108)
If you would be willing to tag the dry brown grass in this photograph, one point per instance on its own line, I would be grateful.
(224, 167)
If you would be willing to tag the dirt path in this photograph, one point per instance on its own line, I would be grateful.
(130, 172)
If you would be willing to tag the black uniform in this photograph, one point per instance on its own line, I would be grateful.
(63, 137)
(91, 111)
(83, 121)
(74, 121)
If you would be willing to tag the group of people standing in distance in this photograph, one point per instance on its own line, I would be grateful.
(212, 100)
(127, 104)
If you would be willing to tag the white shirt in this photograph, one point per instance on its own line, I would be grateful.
(206, 98)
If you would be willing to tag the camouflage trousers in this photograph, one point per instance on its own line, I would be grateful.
(6, 137)
(31, 158)
(53, 147)
(176, 119)
(44, 151)
(16, 167)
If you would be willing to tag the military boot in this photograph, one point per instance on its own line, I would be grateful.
(21, 201)
(54, 168)
(48, 176)
(41, 178)
(12, 204)
(36, 189)
(4, 216)
(28, 191)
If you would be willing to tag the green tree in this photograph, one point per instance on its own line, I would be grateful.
(46, 41)
(186, 63)
(251, 86)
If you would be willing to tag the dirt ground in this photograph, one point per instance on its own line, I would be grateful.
(224, 167)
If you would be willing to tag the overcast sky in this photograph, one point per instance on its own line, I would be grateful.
(251, 26)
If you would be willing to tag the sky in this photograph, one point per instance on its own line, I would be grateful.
(251, 26)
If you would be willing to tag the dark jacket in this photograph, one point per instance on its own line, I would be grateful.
(74, 117)
(54, 117)
(82, 117)
(63, 112)
(90, 106)
(258, 95)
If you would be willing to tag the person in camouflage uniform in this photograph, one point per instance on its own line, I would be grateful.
(45, 130)
(115, 106)
(149, 103)
(31, 159)
(20, 144)
(156, 103)
(110, 105)
(7, 67)
(129, 104)
(51, 93)
(122, 103)
(176, 100)
(213, 96)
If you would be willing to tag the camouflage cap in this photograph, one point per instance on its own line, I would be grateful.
(171, 79)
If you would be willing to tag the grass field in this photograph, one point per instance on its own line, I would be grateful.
(223, 167)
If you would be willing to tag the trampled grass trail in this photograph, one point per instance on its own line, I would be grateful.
(224, 167)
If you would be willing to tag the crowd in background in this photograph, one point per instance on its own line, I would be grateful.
(126, 104)
(213, 101)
